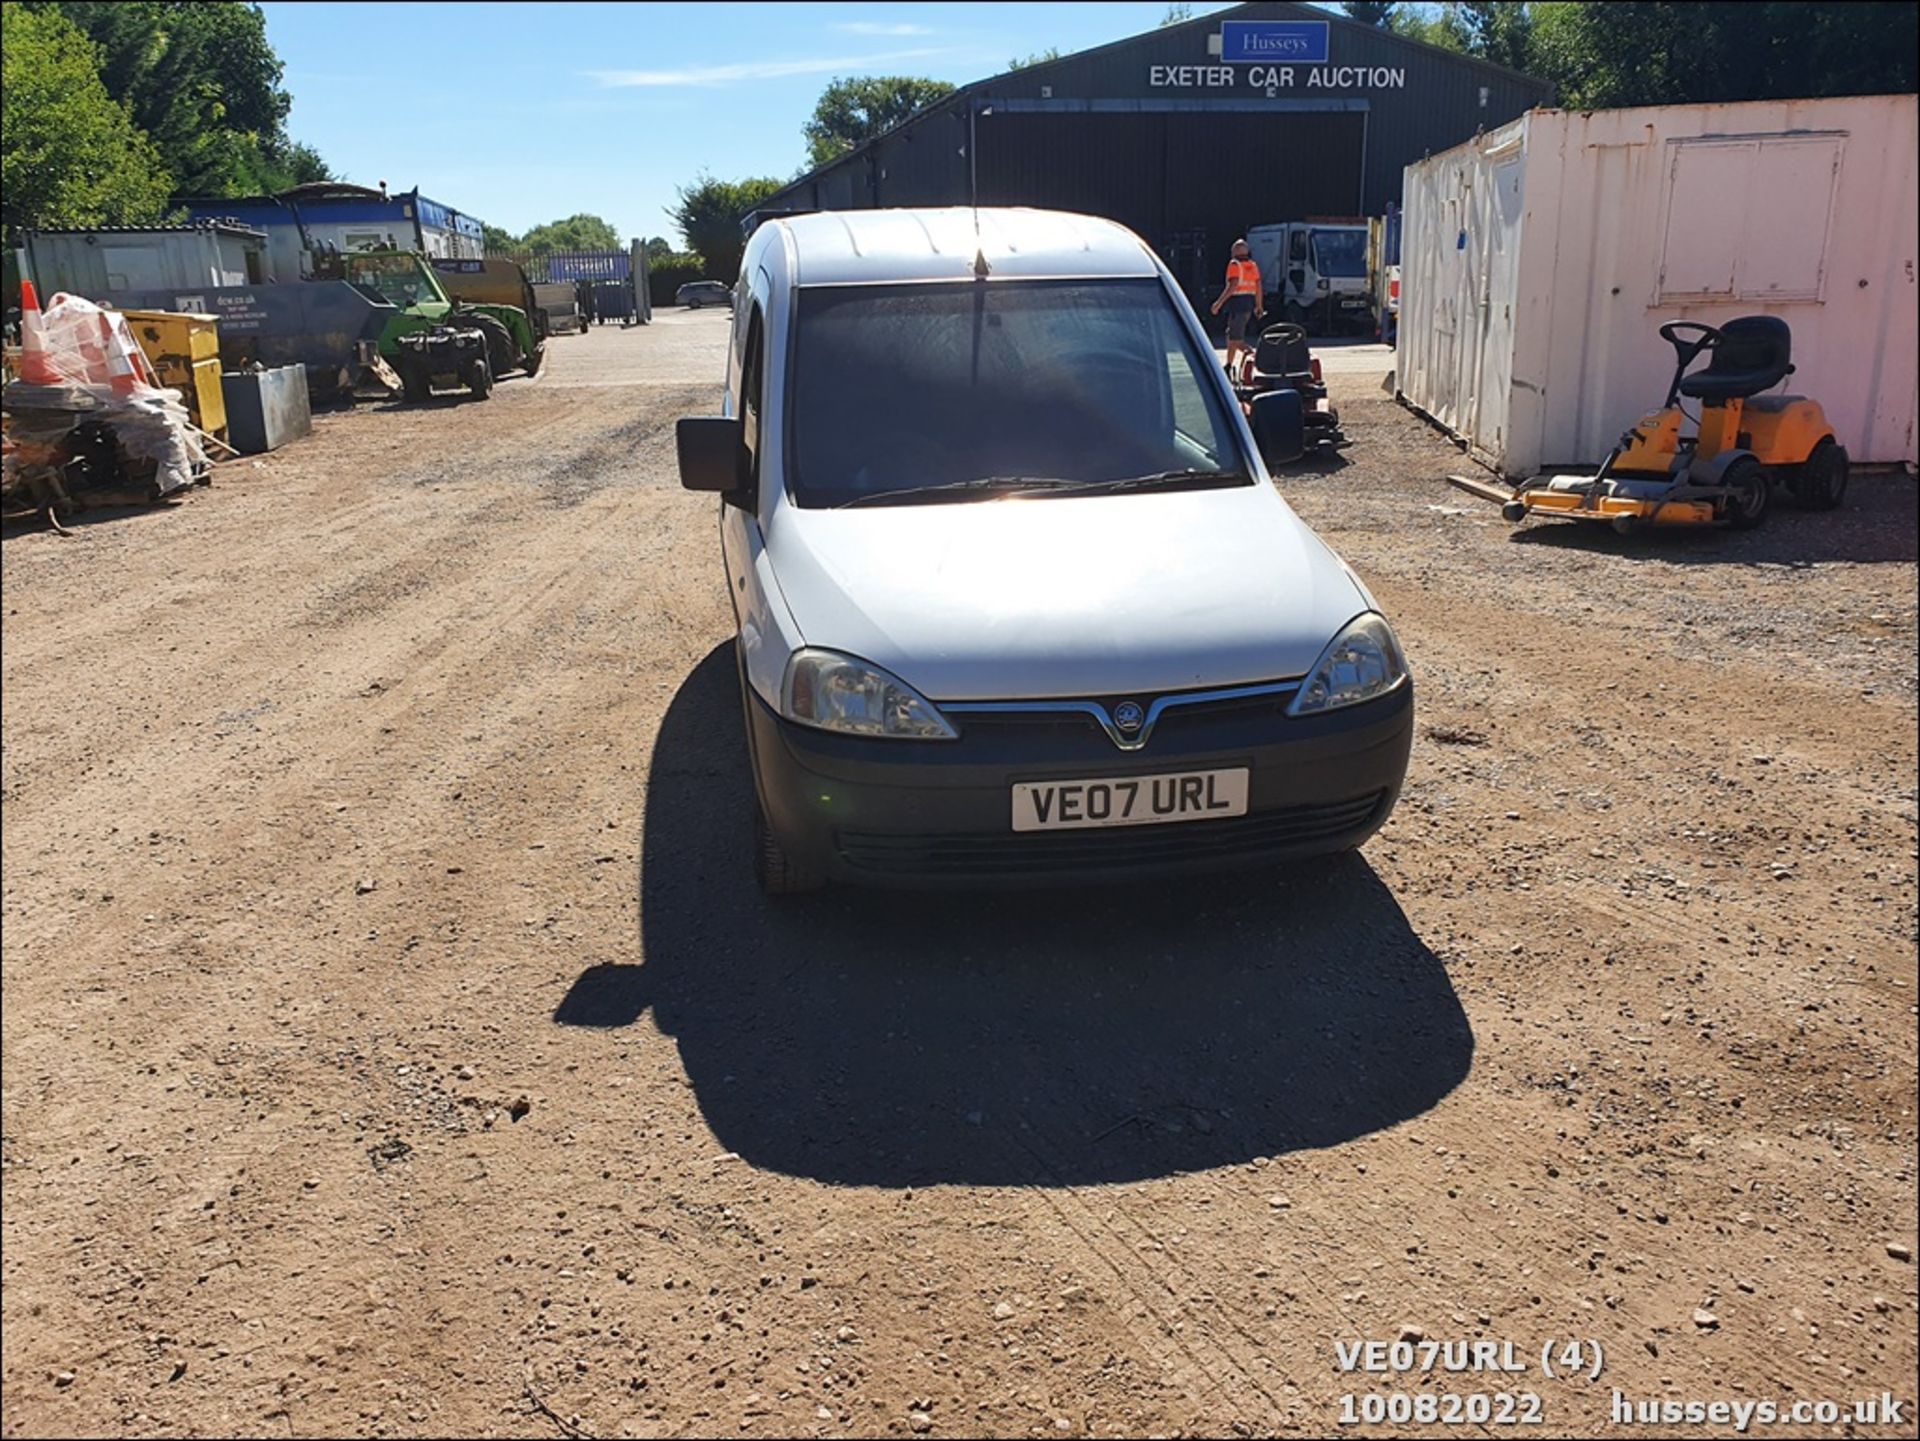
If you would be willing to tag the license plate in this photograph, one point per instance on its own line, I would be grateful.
(1130, 800)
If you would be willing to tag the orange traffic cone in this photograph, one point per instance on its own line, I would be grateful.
(36, 363)
(119, 367)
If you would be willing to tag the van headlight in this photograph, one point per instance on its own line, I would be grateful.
(1362, 663)
(839, 693)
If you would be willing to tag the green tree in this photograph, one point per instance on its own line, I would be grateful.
(69, 154)
(576, 232)
(300, 163)
(204, 83)
(1177, 14)
(1377, 13)
(851, 112)
(497, 241)
(1628, 53)
(1498, 31)
(1039, 57)
(709, 213)
(1444, 27)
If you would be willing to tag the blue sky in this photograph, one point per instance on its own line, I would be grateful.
(522, 113)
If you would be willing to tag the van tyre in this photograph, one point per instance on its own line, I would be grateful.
(1749, 493)
(776, 871)
(1821, 483)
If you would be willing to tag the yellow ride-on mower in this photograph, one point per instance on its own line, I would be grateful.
(1723, 474)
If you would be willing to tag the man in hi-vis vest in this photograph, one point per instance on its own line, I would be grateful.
(1242, 300)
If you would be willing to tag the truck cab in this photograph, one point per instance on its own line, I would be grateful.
(1315, 273)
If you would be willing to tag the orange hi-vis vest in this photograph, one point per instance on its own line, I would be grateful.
(1243, 278)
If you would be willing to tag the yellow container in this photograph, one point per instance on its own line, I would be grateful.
(184, 351)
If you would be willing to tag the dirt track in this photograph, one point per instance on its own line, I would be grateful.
(394, 1042)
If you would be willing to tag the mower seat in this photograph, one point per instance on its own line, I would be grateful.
(1755, 353)
(1282, 350)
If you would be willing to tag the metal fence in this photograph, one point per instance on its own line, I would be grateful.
(562, 265)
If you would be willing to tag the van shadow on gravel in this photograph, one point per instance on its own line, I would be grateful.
(901, 1039)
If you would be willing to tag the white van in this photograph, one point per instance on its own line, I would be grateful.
(1016, 601)
(1315, 273)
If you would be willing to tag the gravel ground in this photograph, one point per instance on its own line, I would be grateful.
(394, 1043)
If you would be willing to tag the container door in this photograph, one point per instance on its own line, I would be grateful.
(1499, 284)
(1483, 245)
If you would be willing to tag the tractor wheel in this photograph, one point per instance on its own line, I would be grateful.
(1750, 490)
(479, 378)
(502, 353)
(1821, 483)
(414, 384)
(536, 360)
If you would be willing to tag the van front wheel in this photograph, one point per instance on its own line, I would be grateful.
(773, 868)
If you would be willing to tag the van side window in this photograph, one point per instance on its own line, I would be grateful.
(1297, 246)
(752, 385)
(737, 338)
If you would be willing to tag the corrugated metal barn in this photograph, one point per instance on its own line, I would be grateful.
(1189, 134)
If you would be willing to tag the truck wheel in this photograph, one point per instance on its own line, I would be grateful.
(773, 868)
(1750, 490)
(414, 384)
(1821, 483)
(502, 353)
(479, 378)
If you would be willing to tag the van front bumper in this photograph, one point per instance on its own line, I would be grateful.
(939, 813)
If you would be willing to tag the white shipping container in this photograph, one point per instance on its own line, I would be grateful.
(104, 262)
(1540, 259)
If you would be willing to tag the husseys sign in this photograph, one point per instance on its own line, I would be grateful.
(1254, 42)
(1273, 55)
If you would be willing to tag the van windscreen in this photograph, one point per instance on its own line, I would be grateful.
(1341, 253)
(957, 391)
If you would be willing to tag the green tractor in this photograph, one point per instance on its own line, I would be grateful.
(432, 339)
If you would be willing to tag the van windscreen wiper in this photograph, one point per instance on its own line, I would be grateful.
(1012, 484)
(1166, 478)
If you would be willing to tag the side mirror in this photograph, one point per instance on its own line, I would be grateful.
(1279, 427)
(712, 453)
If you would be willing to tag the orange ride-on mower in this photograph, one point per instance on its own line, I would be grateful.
(1281, 361)
(1723, 473)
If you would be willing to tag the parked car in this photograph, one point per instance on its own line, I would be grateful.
(696, 293)
(1015, 598)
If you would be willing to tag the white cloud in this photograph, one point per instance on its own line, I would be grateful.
(753, 69)
(869, 27)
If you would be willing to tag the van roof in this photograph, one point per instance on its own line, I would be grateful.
(844, 247)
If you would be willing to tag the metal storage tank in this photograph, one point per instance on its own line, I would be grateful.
(1539, 261)
(1183, 136)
